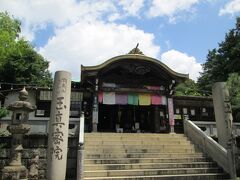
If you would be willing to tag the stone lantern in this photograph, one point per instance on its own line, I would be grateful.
(18, 128)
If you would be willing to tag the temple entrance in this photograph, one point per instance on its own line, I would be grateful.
(130, 118)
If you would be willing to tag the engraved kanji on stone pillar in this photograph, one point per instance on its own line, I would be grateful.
(58, 127)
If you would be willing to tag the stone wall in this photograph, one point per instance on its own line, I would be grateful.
(39, 142)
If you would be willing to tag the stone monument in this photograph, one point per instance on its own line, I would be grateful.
(224, 123)
(18, 128)
(58, 127)
(223, 113)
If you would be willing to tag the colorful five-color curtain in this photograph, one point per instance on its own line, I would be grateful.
(142, 99)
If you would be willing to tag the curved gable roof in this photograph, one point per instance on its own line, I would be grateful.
(133, 57)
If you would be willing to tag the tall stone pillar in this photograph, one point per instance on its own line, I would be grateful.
(156, 119)
(224, 120)
(58, 127)
(95, 108)
(223, 112)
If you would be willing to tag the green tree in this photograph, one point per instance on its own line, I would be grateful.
(223, 60)
(233, 84)
(3, 112)
(189, 87)
(9, 31)
(19, 62)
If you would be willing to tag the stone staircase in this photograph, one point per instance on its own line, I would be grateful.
(146, 156)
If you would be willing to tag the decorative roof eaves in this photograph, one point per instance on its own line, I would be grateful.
(134, 57)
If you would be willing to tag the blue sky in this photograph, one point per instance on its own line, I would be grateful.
(69, 33)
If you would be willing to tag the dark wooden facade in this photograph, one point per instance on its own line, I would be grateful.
(130, 73)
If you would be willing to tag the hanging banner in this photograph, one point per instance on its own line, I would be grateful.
(171, 112)
(109, 98)
(121, 99)
(156, 99)
(133, 99)
(144, 100)
(100, 96)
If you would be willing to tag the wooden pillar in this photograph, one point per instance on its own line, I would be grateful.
(156, 119)
(171, 115)
(95, 108)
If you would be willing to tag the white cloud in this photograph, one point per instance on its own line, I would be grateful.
(85, 32)
(182, 63)
(53, 11)
(170, 8)
(131, 7)
(37, 14)
(231, 7)
(90, 43)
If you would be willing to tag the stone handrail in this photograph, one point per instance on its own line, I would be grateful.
(207, 144)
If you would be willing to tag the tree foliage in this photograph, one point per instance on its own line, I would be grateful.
(19, 62)
(223, 60)
(3, 112)
(223, 64)
(233, 84)
(9, 31)
(189, 87)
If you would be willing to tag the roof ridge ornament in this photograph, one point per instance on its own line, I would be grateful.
(136, 50)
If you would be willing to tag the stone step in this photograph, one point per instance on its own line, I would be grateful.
(142, 146)
(150, 139)
(145, 172)
(145, 160)
(149, 166)
(135, 136)
(132, 135)
(141, 150)
(207, 176)
(138, 136)
(137, 142)
(146, 156)
(140, 155)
